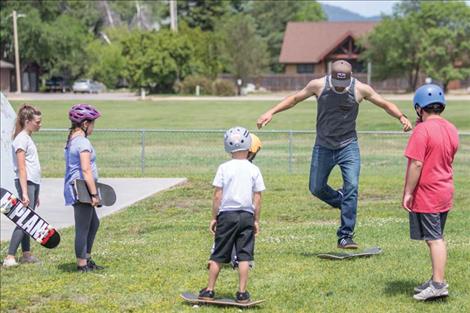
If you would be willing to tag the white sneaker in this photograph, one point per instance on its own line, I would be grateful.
(431, 292)
(7, 262)
(425, 285)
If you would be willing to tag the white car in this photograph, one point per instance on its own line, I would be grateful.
(86, 86)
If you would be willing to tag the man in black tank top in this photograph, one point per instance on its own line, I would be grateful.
(338, 97)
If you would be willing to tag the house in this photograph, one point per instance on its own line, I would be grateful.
(5, 74)
(309, 47)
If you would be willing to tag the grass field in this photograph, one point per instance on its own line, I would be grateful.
(157, 248)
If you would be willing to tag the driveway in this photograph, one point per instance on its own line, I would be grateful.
(53, 210)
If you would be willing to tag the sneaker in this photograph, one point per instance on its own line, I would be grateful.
(432, 292)
(242, 297)
(426, 285)
(206, 294)
(93, 266)
(83, 269)
(7, 262)
(29, 259)
(347, 243)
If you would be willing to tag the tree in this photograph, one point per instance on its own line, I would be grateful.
(206, 56)
(243, 51)
(154, 61)
(422, 37)
(202, 13)
(446, 43)
(393, 48)
(272, 17)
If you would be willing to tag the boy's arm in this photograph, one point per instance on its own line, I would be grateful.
(215, 208)
(412, 178)
(257, 205)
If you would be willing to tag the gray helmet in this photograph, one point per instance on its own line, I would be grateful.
(237, 139)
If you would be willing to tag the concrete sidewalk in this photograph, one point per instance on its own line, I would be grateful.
(53, 210)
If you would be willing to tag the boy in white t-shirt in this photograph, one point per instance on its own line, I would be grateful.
(235, 212)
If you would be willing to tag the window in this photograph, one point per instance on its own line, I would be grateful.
(305, 68)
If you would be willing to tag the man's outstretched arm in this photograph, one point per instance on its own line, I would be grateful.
(370, 94)
(289, 102)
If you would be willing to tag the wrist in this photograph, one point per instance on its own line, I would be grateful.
(402, 115)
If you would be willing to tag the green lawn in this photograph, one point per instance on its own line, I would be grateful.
(158, 248)
(224, 114)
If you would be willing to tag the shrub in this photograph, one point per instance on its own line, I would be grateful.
(188, 85)
(223, 87)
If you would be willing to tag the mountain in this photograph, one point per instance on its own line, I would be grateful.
(335, 13)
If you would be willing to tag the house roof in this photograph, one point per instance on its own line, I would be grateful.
(311, 42)
(4, 64)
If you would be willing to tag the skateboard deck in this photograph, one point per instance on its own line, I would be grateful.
(106, 193)
(28, 220)
(192, 298)
(343, 255)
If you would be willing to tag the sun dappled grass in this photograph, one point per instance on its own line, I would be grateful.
(158, 248)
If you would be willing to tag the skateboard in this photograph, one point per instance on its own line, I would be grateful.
(28, 220)
(192, 298)
(106, 193)
(343, 256)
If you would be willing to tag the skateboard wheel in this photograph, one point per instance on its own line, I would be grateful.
(39, 240)
(3, 210)
(49, 227)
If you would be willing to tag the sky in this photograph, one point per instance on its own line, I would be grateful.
(366, 8)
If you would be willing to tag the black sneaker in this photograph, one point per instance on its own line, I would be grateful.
(347, 243)
(83, 269)
(242, 297)
(206, 294)
(93, 266)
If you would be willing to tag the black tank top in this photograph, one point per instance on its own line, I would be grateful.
(336, 116)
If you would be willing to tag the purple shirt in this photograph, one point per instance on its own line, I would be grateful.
(73, 170)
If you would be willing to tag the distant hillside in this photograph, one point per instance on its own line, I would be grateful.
(335, 13)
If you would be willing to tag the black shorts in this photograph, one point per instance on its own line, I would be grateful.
(234, 228)
(427, 226)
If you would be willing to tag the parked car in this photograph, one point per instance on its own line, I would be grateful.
(57, 83)
(87, 86)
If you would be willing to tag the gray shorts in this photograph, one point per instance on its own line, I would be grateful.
(427, 226)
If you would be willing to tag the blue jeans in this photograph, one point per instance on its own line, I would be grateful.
(349, 160)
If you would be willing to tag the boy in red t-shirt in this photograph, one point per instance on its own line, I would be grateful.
(429, 186)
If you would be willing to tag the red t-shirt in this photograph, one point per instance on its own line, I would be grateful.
(433, 142)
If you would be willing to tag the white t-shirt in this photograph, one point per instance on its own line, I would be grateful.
(239, 179)
(33, 169)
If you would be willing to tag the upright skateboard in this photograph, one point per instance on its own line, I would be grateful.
(192, 298)
(106, 194)
(343, 256)
(28, 220)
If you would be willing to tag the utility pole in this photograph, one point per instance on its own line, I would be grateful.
(17, 56)
(173, 16)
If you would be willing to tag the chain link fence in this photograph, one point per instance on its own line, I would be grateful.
(164, 153)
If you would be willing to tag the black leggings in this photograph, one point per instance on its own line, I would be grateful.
(19, 236)
(86, 226)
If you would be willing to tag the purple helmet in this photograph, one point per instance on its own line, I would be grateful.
(81, 112)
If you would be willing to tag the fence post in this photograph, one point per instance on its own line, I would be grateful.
(142, 151)
(290, 151)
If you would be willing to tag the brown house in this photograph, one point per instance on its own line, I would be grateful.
(308, 47)
(5, 74)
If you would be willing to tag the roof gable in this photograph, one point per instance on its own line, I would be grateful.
(311, 42)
